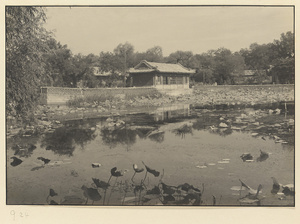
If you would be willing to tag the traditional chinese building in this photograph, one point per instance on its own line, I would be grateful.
(160, 75)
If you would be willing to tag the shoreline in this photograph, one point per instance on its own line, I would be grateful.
(203, 97)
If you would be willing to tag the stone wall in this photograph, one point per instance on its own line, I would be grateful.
(60, 95)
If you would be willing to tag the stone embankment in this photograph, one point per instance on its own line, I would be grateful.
(49, 117)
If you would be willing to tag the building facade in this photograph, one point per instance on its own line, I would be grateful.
(159, 75)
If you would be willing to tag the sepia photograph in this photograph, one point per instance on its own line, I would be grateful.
(150, 105)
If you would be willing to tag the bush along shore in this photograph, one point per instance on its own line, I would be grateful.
(48, 117)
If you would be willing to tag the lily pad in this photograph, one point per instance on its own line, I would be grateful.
(101, 184)
(114, 172)
(152, 171)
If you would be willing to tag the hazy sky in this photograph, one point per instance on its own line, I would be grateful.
(197, 29)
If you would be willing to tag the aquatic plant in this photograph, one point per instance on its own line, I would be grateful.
(16, 161)
(136, 170)
(51, 194)
(91, 193)
(263, 156)
(252, 198)
(287, 189)
(246, 157)
(101, 184)
(45, 160)
(182, 131)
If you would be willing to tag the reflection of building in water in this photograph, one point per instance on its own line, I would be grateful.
(173, 111)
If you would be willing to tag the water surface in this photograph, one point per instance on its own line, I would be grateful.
(186, 144)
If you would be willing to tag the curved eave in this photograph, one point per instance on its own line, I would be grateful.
(141, 71)
(160, 72)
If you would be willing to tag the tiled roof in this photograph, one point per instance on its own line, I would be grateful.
(133, 70)
(145, 66)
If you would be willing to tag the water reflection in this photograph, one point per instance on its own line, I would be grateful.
(158, 137)
(183, 130)
(221, 131)
(115, 131)
(167, 127)
(171, 112)
(63, 140)
(114, 137)
(23, 150)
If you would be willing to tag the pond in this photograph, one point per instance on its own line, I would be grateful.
(175, 155)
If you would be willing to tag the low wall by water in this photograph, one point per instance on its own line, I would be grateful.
(60, 95)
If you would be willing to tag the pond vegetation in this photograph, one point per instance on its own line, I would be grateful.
(176, 157)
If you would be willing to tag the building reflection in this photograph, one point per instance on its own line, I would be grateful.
(171, 112)
(113, 137)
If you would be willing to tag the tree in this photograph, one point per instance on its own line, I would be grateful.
(284, 70)
(283, 66)
(109, 62)
(204, 64)
(89, 80)
(26, 42)
(81, 70)
(58, 64)
(154, 54)
(285, 46)
(227, 66)
(258, 57)
(182, 57)
(275, 58)
(125, 54)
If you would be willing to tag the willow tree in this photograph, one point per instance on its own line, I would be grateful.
(26, 42)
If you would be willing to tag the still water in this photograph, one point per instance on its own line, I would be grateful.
(176, 155)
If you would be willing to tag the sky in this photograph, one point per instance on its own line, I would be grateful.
(198, 29)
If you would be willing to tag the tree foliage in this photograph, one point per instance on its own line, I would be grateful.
(227, 66)
(182, 57)
(277, 58)
(154, 54)
(125, 54)
(58, 64)
(283, 66)
(26, 42)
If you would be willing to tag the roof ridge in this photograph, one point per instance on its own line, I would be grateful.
(164, 67)
(147, 63)
(183, 66)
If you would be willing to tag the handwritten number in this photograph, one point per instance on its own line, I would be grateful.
(19, 214)
(12, 212)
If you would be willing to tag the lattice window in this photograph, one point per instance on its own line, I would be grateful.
(179, 80)
(165, 80)
(172, 80)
